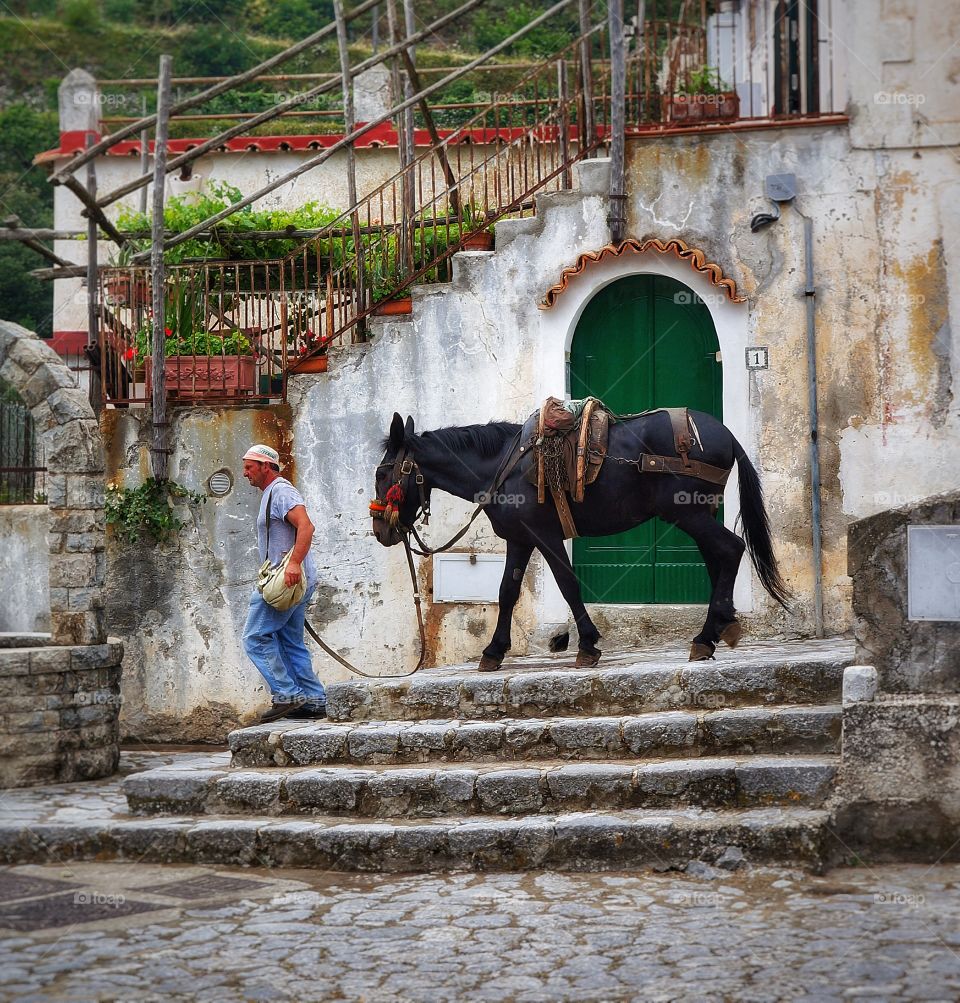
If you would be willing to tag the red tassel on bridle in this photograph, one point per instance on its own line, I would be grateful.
(394, 500)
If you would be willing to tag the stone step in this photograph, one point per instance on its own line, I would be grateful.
(802, 673)
(661, 839)
(210, 786)
(740, 730)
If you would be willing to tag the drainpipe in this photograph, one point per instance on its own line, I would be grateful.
(781, 188)
(810, 293)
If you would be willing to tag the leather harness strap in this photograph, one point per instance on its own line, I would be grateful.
(649, 463)
(563, 510)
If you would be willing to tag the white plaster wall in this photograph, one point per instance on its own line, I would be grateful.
(24, 568)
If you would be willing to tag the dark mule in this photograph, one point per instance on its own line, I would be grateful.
(467, 461)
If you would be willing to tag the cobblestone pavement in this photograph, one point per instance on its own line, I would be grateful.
(135, 932)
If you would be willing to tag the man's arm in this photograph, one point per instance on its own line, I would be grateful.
(298, 518)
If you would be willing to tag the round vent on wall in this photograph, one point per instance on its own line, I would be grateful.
(220, 483)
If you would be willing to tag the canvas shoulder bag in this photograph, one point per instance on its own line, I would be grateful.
(270, 580)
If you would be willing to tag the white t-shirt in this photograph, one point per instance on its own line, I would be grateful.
(282, 496)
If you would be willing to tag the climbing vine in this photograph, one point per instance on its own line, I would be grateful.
(148, 509)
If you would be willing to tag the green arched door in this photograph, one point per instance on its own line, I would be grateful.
(645, 341)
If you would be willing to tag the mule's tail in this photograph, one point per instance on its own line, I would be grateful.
(756, 528)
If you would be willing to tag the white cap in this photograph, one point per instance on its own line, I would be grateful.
(262, 454)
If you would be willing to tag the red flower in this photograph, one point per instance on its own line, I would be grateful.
(129, 353)
(168, 332)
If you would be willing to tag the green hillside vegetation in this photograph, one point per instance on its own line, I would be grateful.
(42, 40)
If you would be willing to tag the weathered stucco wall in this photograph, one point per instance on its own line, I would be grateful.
(881, 222)
(24, 569)
(180, 606)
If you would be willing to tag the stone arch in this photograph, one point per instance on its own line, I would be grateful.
(71, 441)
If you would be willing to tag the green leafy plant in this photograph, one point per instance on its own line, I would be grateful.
(148, 510)
(194, 343)
(183, 212)
(705, 80)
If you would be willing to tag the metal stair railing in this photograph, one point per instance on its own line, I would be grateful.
(522, 144)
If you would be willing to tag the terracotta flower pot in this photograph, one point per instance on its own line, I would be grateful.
(208, 375)
(482, 241)
(125, 290)
(691, 109)
(394, 308)
(315, 364)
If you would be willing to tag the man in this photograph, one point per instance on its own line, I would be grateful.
(272, 638)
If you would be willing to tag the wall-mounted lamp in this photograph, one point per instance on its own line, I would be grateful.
(778, 188)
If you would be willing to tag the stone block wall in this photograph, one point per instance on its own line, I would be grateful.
(60, 692)
(73, 450)
(60, 706)
(911, 656)
(898, 796)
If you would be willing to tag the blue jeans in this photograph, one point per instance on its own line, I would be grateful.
(273, 640)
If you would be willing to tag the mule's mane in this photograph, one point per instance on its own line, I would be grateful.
(486, 440)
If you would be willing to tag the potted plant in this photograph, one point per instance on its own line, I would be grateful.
(198, 362)
(474, 217)
(704, 98)
(125, 288)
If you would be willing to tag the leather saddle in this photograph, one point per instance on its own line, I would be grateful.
(564, 444)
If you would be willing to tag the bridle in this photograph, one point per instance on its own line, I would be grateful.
(388, 510)
(404, 465)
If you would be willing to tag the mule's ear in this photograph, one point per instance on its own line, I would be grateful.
(396, 431)
(408, 428)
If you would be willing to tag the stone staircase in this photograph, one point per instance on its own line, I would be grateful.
(646, 761)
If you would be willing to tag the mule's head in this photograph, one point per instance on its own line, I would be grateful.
(397, 494)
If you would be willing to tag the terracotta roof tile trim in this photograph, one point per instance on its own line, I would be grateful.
(675, 246)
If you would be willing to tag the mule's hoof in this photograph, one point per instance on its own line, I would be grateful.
(731, 634)
(488, 664)
(700, 652)
(587, 659)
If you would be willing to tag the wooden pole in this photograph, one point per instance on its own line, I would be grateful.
(618, 82)
(94, 390)
(322, 157)
(410, 137)
(280, 109)
(563, 123)
(349, 124)
(586, 76)
(29, 237)
(435, 141)
(399, 87)
(144, 157)
(160, 450)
